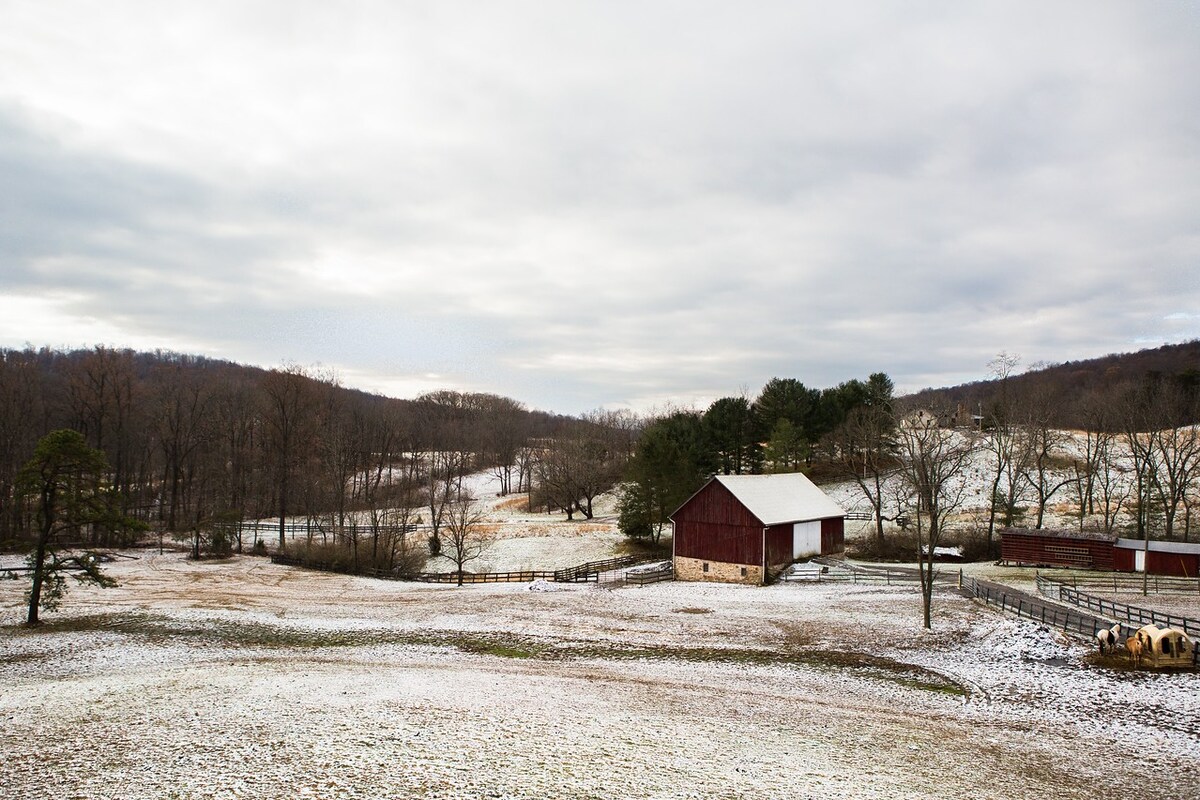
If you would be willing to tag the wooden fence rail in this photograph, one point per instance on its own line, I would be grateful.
(1024, 605)
(887, 577)
(1121, 611)
(581, 573)
(591, 570)
(1125, 583)
(269, 531)
(483, 577)
(667, 573)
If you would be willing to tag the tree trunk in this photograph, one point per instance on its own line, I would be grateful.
(39, 561)
(35, 590)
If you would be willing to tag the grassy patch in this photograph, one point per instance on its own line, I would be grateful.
(691, 611)
(160, 629)
(885, 669)
(499, 648)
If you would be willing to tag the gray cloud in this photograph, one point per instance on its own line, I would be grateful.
(602, 204)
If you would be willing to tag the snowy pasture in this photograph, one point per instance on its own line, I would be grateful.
(246, 679)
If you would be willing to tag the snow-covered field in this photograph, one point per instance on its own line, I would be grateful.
(247, 679)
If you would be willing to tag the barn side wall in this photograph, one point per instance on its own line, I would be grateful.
(833, 535)
(1180, 565)
(1123, 560)
(779, 545)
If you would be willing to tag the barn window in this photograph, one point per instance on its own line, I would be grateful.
(743, 572)
(706, 566)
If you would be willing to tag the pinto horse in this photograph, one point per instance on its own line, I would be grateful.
(1108, 638)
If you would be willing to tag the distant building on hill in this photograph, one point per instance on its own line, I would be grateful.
(741, 528)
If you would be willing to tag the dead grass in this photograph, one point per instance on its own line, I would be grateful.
(518, 503)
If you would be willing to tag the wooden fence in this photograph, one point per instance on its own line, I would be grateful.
(591, 571)
(482, 577)
(887, 577)
(841, 571)
(1030, 607)
(581, 573)
(1126, 583)
(666, 573)
(1132, 615)
(1120, 611)
(316, 529)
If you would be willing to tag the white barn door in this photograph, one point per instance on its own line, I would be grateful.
(806, 539)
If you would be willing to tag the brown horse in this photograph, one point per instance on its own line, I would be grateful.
(1134, 645)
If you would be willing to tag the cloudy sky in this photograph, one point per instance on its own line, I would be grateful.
(606, 204)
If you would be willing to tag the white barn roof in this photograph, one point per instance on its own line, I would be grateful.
(776, 499)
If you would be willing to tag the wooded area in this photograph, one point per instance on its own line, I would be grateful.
(194, 446)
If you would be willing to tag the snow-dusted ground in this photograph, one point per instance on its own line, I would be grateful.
(246, 679)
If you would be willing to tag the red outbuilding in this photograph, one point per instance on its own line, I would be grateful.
(740, 528)
(1056, 548)
(1069, 548)
(1181, 559)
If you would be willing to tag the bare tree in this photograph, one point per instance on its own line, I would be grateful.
(1042, 462)
(464, 538)
(289, 413)
(1177, 446)
(1110, 484)
(504, 430)
(237, 451)
(443, 485)
(20, 406)
(865, 446)
(181, 421)
(101, 392)
(933, 465)
(585, 460)
(1005, 442)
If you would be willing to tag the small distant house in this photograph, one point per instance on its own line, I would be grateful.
(921, 419)
(742, 528)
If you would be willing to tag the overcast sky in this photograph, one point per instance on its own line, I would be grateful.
(584, 205)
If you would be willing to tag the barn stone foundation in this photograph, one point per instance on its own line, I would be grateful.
(694, 569)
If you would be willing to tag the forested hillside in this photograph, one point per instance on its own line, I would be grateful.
(192, 443)
(1072, 390)
(190, 440)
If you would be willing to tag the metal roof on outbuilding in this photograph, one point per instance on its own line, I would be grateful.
(1181, 548)
(776, 499)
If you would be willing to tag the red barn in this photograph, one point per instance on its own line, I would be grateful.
(738, 528)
